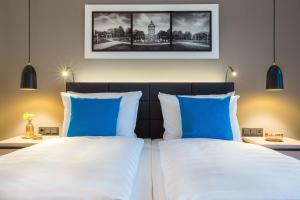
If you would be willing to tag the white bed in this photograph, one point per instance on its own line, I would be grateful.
(78, 168)
(216, 169)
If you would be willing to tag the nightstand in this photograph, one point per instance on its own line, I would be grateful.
(289, 146)
(15, 143)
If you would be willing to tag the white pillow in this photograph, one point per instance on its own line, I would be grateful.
(172, 116)
(127, 114)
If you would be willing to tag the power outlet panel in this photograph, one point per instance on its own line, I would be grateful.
(252, 132)
(49, 130)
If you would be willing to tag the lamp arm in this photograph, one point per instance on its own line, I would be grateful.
(228, 68)
(72, 72)
(231, 69)
(73, 76)
(226, 76)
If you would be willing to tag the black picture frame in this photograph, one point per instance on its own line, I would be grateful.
(171, 48)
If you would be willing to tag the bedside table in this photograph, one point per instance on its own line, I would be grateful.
(15, 143)
(289, 146)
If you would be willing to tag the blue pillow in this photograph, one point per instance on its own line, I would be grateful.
(205, 118)
(93, 117)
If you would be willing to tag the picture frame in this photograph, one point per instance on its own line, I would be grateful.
(175, 31)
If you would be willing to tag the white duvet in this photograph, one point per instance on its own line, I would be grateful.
(213, 169)
(85, 168)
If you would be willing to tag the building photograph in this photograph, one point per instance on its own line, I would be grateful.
(191, 31)
(111, 31)
(151, 31)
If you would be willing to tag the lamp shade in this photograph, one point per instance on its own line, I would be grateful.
(28, 79)
(274, 78)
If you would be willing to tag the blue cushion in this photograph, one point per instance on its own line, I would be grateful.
(205, 118)
(93, 117)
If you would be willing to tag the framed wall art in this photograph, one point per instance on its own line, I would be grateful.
(175, 31)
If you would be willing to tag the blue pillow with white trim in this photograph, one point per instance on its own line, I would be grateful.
(205, 118)
(93, 117)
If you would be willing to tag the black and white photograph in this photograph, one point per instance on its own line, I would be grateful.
(151, 31)
(111, 31)
(191, 31)
(162, 31)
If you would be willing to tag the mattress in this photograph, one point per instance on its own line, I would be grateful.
(142, 187)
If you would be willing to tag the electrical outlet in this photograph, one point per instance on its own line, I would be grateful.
(254, 132)
(260, 131)
(49, 130)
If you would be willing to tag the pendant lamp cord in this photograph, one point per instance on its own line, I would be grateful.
(29, 27)
(274, 31)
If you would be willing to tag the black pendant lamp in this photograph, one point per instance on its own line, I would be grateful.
(274, 76)
(29, 78)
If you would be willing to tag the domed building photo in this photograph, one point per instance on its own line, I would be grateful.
(151, 31)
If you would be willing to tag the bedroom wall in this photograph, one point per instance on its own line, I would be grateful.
(57, 39)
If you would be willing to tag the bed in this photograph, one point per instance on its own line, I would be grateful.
(82, 167)
(184, 169)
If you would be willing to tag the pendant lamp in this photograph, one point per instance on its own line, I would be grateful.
(274, 80)
(29, 77)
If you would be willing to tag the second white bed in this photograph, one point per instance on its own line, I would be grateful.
(209, 169)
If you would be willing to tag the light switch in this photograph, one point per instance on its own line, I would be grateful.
(246, 132)
(49, 130)
(254, 132)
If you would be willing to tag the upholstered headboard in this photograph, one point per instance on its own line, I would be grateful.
(150, 121)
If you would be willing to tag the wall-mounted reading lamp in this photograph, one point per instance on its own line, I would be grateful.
(66, 71)
(233, 72)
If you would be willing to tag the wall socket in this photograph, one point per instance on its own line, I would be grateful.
(49, 130)
(254, 132)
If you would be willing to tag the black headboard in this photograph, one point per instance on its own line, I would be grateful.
(150, 121)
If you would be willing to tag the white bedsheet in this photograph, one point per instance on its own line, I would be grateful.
(82, 168)
(214, 169)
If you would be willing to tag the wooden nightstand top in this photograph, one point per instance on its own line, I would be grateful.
(288, 143)
(19, 142)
